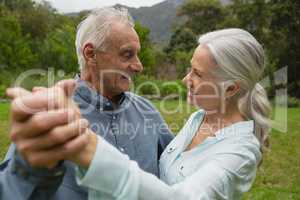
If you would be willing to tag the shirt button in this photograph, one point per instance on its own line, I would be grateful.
(121, 149)
(59, 173)
(171, 149)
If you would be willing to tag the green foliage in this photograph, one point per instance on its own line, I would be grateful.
(274, 23)
(182, 61)
(15, 51)
(150, 87)
(202, 15)
(146, 54)
(37, 21)
(2, 91)
(6, 78)
(15, 5)
(293, 102)
(58, 51)
(285, 31)
(183, 39)
(180, 49)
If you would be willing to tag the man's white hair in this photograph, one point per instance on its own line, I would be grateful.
(95, 29)
(241, 58)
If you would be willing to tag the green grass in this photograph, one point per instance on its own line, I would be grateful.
(4, 141)
(278, 178)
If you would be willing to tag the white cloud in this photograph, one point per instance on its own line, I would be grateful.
(66, 6)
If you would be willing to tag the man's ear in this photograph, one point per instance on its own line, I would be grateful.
(89, 53)
(231, 89)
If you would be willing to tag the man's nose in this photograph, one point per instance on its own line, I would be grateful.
(137, 66)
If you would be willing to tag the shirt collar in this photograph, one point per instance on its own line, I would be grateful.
(92, 97)
(236, 129)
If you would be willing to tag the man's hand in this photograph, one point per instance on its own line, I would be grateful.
(46, 125)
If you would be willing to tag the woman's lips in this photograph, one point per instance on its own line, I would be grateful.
(191, 93)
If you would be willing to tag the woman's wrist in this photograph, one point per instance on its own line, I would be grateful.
(85, 157)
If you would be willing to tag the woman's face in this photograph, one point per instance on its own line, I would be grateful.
(203, 90)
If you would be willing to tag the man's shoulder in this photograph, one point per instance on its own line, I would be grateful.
(141, 102)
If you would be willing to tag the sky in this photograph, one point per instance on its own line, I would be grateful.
(66, 6)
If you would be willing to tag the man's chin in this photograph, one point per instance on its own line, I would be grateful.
(124, 88)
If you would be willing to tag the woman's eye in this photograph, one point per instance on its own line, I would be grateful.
(199, 75)
(196, 73)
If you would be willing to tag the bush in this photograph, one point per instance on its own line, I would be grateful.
(2, 92)
(28, 80)
(173, 88)
(293, 102)
(153, 88)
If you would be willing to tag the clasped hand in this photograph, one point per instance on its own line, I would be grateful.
(46, 126)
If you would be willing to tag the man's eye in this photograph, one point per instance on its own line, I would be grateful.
(128, 55)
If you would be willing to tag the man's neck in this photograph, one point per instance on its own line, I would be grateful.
(114, 98)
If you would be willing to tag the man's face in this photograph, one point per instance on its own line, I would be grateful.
(119, 63)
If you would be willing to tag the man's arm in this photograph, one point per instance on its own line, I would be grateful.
(164, 139)
(32, 168)
(20, 181)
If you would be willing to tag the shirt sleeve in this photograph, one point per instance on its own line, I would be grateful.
(113, 174)
(21, 182)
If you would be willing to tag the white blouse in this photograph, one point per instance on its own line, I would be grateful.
(222, 167)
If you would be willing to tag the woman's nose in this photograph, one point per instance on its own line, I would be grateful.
(186, 79)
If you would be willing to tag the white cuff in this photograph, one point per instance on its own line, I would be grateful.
(108, 170)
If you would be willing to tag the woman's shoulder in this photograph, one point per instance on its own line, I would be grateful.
(236, 153)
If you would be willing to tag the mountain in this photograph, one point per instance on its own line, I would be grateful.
(159, 18)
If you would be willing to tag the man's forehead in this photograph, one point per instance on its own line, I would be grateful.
(124, 36)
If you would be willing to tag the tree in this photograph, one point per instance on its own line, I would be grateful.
(182, 44)
(202, 15)
(15, 52)
(275, 24)
(37, 21)
(58, 50)
(183, 39)
(251, 15)
(17, 5)
(146, 54)
(285, 45)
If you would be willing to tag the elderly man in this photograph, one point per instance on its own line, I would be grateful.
(107, 48)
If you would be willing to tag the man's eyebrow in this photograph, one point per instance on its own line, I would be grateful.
(126, 47)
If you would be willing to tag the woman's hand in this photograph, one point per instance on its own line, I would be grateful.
(85, 157)
(46, 126)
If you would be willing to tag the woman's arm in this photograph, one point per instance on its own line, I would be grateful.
(113, 174)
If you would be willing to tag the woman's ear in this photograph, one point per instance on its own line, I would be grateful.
(231, 89)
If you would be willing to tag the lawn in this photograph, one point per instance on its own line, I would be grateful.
(278, 177)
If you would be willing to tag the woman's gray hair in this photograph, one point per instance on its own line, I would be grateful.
(240, 58)
(95, 29)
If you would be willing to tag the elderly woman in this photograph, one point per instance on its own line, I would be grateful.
(216, 153)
